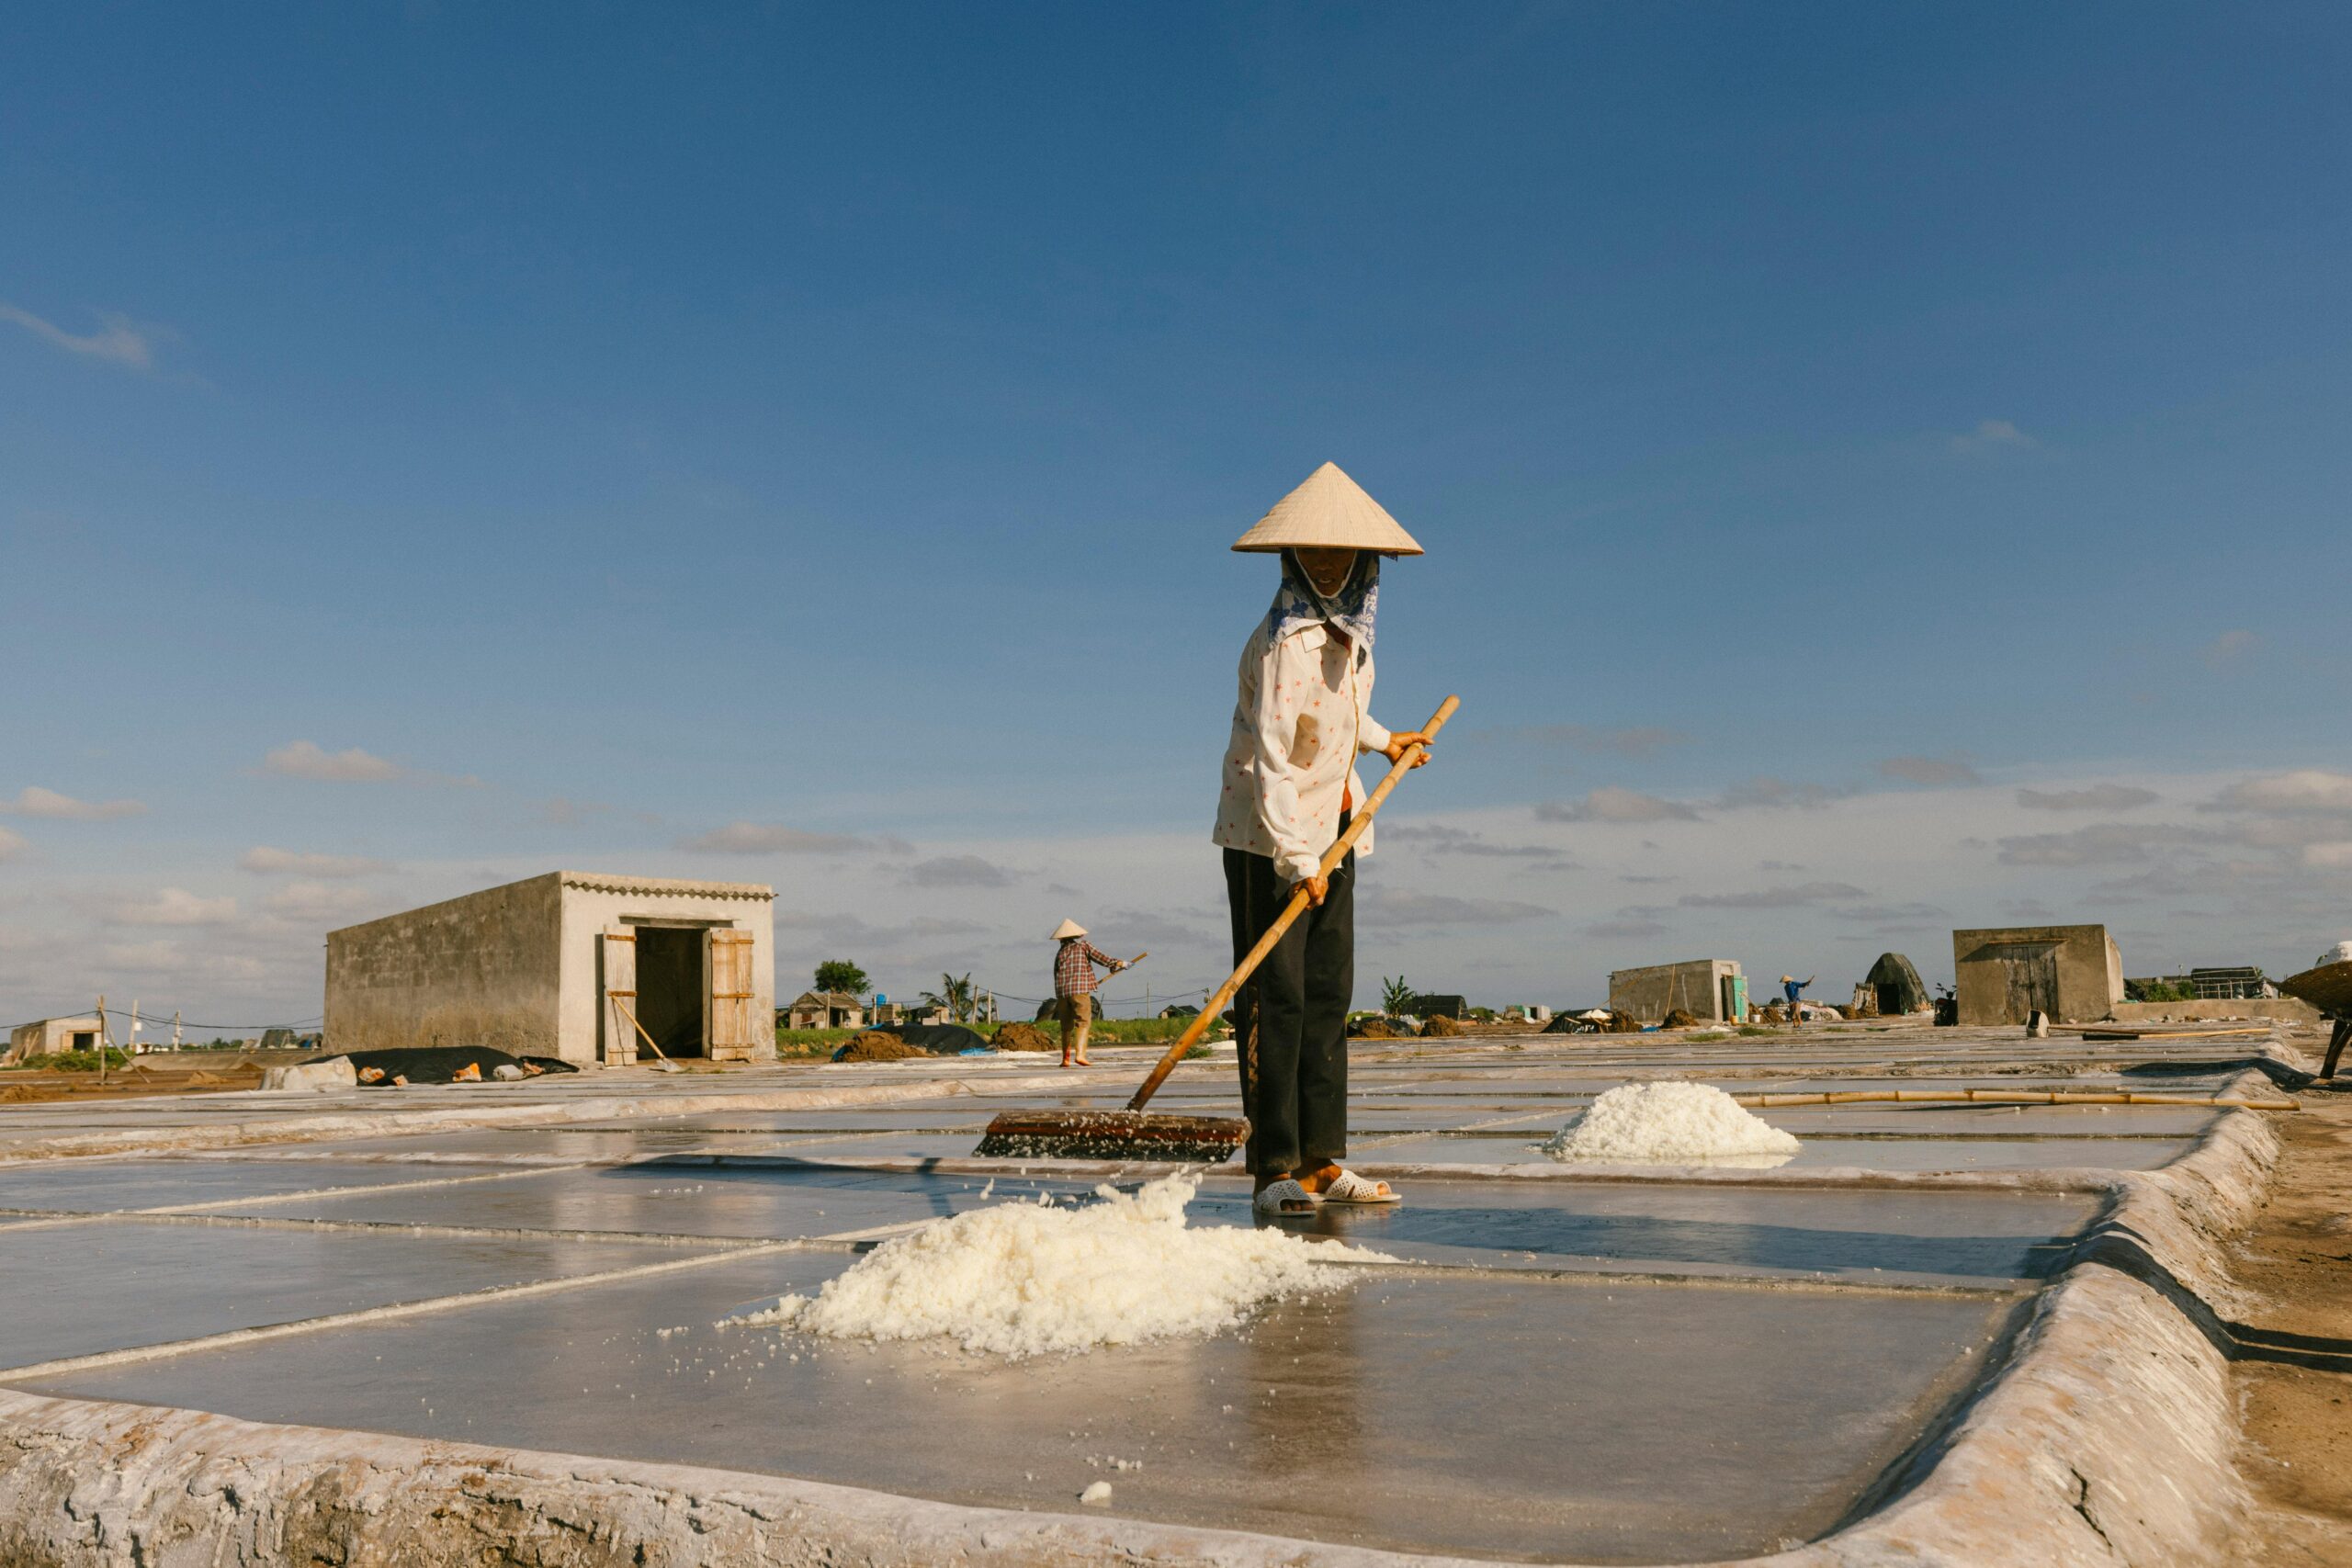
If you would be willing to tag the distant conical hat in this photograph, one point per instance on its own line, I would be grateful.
(1329, 510)
(1067, 929)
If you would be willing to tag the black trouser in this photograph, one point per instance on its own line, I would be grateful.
(1292, 1017)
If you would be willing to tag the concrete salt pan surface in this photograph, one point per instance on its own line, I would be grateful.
(1511, 1418)
(2111, 1428)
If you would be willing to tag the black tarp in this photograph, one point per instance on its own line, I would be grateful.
(441, 1064)
(939, 1039)
(1897, 985)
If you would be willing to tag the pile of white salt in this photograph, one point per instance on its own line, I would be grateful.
(1671, 1122)
(1021, 1280)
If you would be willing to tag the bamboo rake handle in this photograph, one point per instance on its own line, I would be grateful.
(1291, 912)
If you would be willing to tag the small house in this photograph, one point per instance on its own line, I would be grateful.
(48, 1036)
(825, 1009)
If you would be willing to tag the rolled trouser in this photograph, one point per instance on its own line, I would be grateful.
(1077, 1016)
(1291, 1019)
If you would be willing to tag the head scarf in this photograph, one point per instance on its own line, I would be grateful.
(1352, 610)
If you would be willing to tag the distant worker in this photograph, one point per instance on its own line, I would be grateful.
(1794, 991)
(1074, 984)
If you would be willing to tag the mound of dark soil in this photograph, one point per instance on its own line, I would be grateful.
(1440, 1027)
(1025, 1037)
(1374, 1028)
(1680, 1018)
(877, 1045)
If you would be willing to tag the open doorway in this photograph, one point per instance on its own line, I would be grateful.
(670, 999)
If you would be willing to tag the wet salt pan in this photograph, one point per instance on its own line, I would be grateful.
(1027, 1278)
(1671, 1122)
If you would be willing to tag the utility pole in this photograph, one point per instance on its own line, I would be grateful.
(103, 1041)
(130, 1046)
(175, 1030)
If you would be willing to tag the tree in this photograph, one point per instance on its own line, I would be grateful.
(955, 994)
(1396, 997)
(840, 974)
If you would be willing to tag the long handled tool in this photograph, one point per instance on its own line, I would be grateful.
(662, 1063)
(1130, 1134)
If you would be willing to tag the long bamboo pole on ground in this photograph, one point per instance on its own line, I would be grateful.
(1292, 910)
(2010, 1097)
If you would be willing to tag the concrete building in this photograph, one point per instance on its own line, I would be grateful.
(47, 1036)
(2073, 972)
(1709, 989)
(826, 1010)
(571, 964)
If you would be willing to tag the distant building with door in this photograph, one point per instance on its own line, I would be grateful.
(48, 1036)
(578, 964)
(2074, 974)
(1712, 990)
(827, 1010)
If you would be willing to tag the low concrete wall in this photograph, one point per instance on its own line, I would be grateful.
(2284, 1009)
(1694, 985)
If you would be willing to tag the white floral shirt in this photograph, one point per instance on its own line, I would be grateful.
(1303, 714)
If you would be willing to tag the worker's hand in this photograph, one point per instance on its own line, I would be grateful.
(1317, 888)
(1398, 740)
(1117, 964)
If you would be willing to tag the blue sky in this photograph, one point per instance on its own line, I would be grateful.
(600, 426)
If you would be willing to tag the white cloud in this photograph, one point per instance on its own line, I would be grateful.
(1991, 434)
(2100, 843)
(269, 861)
(325, 904)
(1611, 803)
(10, 843)
(116, 342)
(307, 760)
(772, 839)
(35, 801)
(1774, 897)
(174, 907)
(960, 870)
(2091, 797)
(2304, 790)
(1937, 772)
(1632, 740)
(2335, 856)
(1625, 931)
(2229, 646)
(1380, 908)
(1770, 794)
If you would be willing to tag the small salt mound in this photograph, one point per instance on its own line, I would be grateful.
(1680, 1123)
(1027, 1278)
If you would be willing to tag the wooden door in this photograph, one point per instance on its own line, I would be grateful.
(619, 999)
(728, 962)
(2031, 971)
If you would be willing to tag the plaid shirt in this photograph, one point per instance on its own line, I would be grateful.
(1074, 968)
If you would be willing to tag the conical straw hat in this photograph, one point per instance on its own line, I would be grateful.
(1067, 929)
(1330, 510)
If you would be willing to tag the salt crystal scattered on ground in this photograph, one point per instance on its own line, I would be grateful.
(1671, 1123)
(1028, 1279)
(1098, 1493)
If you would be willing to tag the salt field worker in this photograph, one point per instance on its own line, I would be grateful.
(1290, 788)
(1794, 991)
(1074, 985)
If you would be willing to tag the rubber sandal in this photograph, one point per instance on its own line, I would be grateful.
(1284, 1200)
(1350, 1191)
